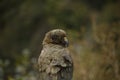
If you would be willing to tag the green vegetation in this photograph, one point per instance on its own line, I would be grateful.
(93, 28)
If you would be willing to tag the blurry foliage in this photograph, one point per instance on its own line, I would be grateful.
(93, 28)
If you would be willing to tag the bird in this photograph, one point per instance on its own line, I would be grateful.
(55, 61)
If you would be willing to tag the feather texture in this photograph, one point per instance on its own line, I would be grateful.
(55, 63)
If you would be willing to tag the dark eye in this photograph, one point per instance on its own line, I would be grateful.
(54, 37)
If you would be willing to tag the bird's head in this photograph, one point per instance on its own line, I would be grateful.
(56, 36)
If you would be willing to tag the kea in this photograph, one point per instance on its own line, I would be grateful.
(55, 62)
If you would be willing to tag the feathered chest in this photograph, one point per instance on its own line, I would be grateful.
(54, 56)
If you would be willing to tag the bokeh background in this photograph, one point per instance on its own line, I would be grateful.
(93, 28)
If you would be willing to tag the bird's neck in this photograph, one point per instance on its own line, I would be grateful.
(53, 46)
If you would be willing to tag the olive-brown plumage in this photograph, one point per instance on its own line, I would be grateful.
(55, 62)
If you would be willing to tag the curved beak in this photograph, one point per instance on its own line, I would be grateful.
(66, 42)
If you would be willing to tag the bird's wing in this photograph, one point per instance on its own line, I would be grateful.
(66, 72)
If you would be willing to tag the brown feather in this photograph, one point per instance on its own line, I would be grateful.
(55, 62)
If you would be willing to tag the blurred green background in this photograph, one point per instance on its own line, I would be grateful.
(93, 28)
